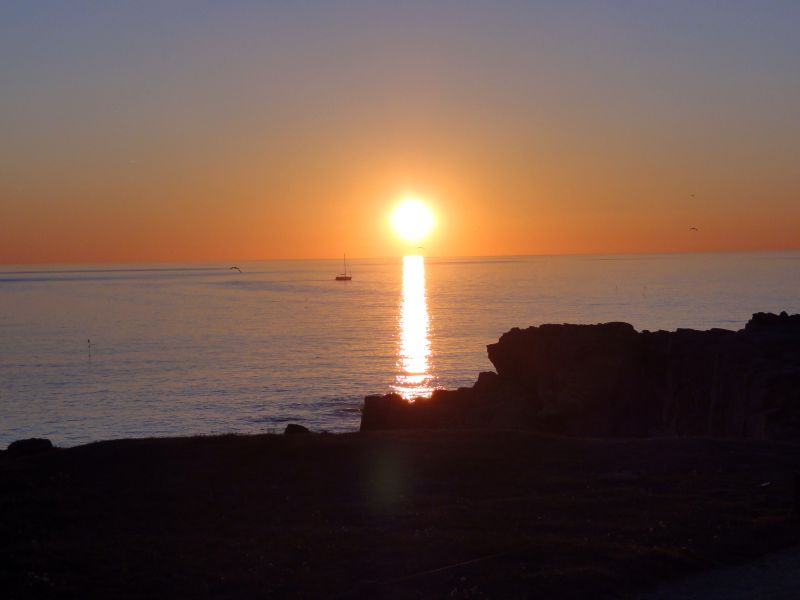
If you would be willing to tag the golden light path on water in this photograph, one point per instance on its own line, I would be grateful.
(414, 373)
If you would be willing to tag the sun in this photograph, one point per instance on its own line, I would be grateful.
(412, 220)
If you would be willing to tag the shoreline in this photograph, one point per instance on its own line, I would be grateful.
(389, 514)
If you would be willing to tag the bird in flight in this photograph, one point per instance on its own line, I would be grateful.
(693, 229)
(237, 268)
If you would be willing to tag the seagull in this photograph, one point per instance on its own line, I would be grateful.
(237, 268)
(693, 229)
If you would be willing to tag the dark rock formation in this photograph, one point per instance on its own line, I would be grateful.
(294, 429)
(610, 380)
(29, 446)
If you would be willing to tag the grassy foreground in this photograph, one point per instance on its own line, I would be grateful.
(387, 515)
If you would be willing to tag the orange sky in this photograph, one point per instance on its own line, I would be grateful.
(260, 133)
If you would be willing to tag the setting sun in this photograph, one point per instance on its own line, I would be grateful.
(412, 220)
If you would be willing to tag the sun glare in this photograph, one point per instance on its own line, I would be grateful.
(412, 220)
(414, 378)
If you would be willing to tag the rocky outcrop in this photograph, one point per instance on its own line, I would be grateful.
(295, 429)
(29, 446)
(610, 380)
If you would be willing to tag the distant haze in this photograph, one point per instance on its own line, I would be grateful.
(180, 131)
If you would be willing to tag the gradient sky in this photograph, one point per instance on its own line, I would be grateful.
(183, 131)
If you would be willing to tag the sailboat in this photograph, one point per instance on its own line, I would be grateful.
(344, 276)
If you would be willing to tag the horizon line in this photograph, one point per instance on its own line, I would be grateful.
(320, 258)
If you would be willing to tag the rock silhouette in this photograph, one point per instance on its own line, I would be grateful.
(29, 446)
(295, 429)
(609, 380)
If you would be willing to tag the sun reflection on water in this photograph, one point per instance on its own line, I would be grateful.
(414, 349)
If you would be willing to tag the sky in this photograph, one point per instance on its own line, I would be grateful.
(213, 131)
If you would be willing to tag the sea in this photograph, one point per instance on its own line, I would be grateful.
(100, 352)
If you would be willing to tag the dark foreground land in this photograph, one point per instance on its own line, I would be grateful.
(393, 515)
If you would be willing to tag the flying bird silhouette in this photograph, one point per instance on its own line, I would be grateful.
(237, 268)
(693, 229)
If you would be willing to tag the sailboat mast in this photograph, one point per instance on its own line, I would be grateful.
(344, 275)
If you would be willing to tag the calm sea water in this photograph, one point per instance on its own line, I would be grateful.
(189, 349)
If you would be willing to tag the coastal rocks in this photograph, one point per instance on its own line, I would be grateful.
(390, 411)
(610, 380)
(295, 429)
(29, 446)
